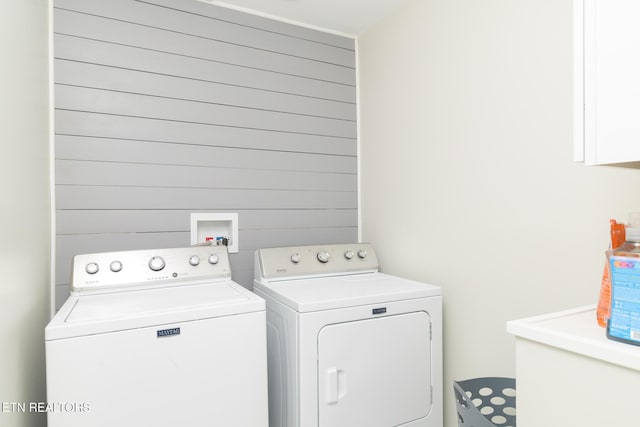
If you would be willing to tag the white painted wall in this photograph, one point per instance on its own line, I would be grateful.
(25, 212)
(467, 174)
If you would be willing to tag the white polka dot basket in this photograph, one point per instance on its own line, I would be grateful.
(486, 402)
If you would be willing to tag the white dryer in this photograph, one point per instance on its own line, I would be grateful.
(158, 338)
(348, 346)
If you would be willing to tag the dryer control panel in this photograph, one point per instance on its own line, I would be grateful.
(314, 260)
(149, 268)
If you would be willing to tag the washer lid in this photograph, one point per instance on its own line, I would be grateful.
(110, 312)
(326, 293)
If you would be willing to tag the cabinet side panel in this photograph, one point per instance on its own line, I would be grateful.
(578, 81)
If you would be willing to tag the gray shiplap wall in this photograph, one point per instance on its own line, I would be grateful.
(167, 107)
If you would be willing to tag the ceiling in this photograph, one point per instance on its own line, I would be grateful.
(346, 17)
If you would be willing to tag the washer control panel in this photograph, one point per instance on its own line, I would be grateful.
(147, 267)
(301, 261)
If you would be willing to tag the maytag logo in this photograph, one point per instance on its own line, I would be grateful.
(167, 332)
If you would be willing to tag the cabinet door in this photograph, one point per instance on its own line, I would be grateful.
(610, 68)
(375, 372)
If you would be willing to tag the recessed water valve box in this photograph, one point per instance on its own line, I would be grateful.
(220, 228)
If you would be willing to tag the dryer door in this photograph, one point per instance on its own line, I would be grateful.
(375, 372)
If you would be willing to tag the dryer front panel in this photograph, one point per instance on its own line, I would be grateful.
(375, 372)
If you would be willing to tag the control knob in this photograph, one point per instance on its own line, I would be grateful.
(362, 254)
(348, 254)
(323, 257)
(213, 259)
(92, 268)
(115, 266)
(194, 260)
(156, 263)
(295, 258)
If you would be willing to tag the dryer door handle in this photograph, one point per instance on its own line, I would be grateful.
(336, 385)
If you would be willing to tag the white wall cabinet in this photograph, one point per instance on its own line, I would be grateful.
(607, 81)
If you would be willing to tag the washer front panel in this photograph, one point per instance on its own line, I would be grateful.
(204, 373)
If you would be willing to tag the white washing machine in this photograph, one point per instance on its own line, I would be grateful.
(157, 338)
(348, 346)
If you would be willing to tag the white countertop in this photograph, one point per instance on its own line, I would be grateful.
(577, 331)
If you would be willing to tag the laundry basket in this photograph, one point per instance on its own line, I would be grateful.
(486, 402)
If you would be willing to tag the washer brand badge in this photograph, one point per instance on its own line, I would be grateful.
(167, 332)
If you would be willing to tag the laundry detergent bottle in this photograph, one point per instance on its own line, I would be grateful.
(624, 320)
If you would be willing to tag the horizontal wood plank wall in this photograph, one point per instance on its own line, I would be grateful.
(168, 107)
